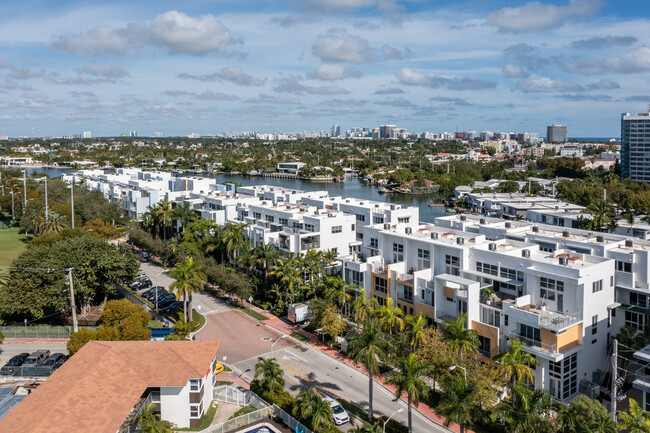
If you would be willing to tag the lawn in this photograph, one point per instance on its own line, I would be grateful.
(11, 245)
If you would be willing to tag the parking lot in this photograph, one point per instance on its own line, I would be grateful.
(13, 348)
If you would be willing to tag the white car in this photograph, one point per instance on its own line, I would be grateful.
(339, 414)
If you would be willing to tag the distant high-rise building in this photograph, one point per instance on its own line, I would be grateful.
(556, 134)
(87, 134)
(133, 133)
(335, 131)
(158, 134)
(387, 131)
(635, 141)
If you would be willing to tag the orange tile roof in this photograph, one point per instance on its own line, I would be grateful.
(99, 386)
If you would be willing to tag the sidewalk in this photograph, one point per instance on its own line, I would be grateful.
(287, 328)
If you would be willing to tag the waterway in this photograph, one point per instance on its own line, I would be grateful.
(352, 187)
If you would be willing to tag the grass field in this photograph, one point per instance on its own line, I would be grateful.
(11, 245)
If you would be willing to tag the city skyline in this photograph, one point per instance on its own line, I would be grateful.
(511, 66)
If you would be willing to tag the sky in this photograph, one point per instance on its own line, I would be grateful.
(209, 67)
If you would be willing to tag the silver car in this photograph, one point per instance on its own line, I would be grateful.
(339, 414)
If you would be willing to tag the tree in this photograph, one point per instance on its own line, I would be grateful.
(123, 320)
(370, 349)
(390, 317)
(634, 420)
(526, 411)
(458, 403)
(410, 379)
(185, 213)
(585, 415)
(508, 186)
(103, 229)
(269, 375)
(415, 327)
(79, 339)
(338, 290)
(331, 322)
(189, 279)
(364, 307)
(313, 410)
(2, 337)
(164, 215)
(462, 340)
(150, 422)
(515, 363)
(233, 238)
(630, 218)
(287, 272)
(266, 255)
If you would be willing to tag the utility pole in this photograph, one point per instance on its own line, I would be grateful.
(25, 188)
(72, 202)
(614, 377)
(72, 305)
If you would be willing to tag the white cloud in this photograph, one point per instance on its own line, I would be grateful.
(637, 60)
(233, 74)
(414, 78)
(333, 72)
(391, 53)
(183, 34)
(603, 42)
(23, 73)
(103, 41)
(342, 47)
(604, 84)
(105, 71)
(535, 16)
(292, 84)
(547, 85)
(514, 71)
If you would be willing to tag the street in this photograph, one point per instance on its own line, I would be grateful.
(244, 339)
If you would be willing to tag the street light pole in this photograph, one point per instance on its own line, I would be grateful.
(399, 410)
(453, 367)
(25, 188)
(279, 338)
(13, 211)
(72, 304)
(72, 202)
(47, 219)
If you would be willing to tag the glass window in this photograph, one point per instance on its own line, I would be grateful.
(381, 285)
(374, 243)
(337, 229)
(623, 266)
(597, 286)
(195, 384)
(594, 324)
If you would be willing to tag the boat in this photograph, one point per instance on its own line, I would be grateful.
(384, 190)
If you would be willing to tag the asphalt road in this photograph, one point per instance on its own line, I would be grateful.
(244, 339)
(9, 350)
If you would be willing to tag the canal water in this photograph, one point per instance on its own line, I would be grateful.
(352, 187)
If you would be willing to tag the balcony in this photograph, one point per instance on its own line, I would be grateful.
(309, 245)
(534, 344)
(405, 277)
(551, 320)
(380, 269)
(496, 299)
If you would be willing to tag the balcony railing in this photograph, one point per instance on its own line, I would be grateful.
(309, 245)
(534, 344)
(405, 277)
(557, 321)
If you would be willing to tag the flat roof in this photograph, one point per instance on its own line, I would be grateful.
(98, 387)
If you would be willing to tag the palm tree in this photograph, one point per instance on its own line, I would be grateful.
(164, 214)
(149, 422)
(634, 420)
(460, 339)
(370, 349)
(630, 217)
(149, 221)
(328, 258)
(415, 330)
(266, 255)
(233, 238)
(515, 363)
(185, 213)
(313, 408)
(526, 411)
(364, 307)
(287, 272)
(458, 403)
(410, 379)
(338, 290)
(390, 316)
(269, 375)
(189, 279)
(599, 209)
(247, 258)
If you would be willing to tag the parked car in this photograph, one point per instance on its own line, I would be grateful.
(152, 291)
(142, 284)
(170, 308)
(36, 358)
(163, 303)
(218, 368)
(339, 414)
(144, 256)
(55, 361)
(15, 362)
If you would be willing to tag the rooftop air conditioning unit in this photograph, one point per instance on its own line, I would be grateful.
(460, 240)
(463, 217)
(508, 224)
(525, 253)
(492, 246)
(408, 230)
(629, 243)
(535, 229)
(392, 207)
(376, 204)
(482, 221)
(386, 226)
(565, 234)
(600, 238)
(564, 260)
(434, 235)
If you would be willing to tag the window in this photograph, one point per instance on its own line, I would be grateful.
(636, 320)
(487, 268)
(623, 266)
(403, 219)
(352, 228)
(547, 247)
(638, 299)
(337, 229)
(354, 277)
(530, 333)
(196, 410)
(549, 288)
(597, 286)
(424, 259)
(257, 215)
(380, 301)
(374, 243)
(611, 281)
(381, 285)
(283, 221)
(195, 385)
(361, 218)
(378, 220)
(405, 293)
(594, 324)
(270, 218)
(309, 227)
(564, 378)
(484, 346)
(490, 317)
(398, 252)
(452, 265)
(512, 274)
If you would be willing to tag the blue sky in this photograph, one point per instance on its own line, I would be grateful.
(303, 65)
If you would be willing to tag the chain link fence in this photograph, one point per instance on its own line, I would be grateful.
(50, 331)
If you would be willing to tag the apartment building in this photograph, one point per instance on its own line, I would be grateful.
(558, 290)
(635, 145)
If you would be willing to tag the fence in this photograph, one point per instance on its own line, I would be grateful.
(290, 421)
(241, 421)
(130, 295)
(231, 395)
(40, 331)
